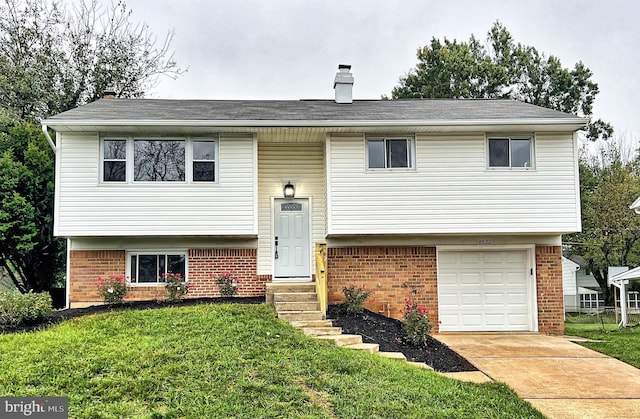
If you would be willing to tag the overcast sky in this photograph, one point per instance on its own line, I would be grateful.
(290, 49)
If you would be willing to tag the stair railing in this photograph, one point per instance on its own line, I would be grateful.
(321, 277)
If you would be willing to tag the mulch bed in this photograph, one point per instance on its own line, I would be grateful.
(390, 335)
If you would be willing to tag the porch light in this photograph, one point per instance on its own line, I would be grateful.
(289, 190)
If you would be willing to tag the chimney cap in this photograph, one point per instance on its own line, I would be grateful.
(344, 66)
(109, 93)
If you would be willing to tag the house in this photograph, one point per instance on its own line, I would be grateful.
(457, 204)
(570, 285)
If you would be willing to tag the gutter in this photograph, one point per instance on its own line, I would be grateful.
(316, 123)
(45, 131)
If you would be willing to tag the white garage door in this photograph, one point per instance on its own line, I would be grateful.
(484, 291)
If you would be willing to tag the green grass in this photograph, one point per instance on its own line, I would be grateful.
(228, 361)
(623, 344)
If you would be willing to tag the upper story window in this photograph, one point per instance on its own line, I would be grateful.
(390, 153)
(510, 152)
(159, 160)
(204, 161)
(114, 160)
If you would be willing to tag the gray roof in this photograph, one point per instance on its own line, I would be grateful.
(308, 110)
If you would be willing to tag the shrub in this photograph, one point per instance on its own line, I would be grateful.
(176, 286)
(112, 290)
(17, 309)
(415, 322)
(354, 298)
(227, 284)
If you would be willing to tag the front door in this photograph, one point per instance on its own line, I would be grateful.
(291, 242)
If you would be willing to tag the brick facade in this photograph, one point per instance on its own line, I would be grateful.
(549, 286)
(392, 273)
(396, 273)
(86, 266)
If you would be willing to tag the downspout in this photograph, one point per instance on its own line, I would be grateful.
(45, 131)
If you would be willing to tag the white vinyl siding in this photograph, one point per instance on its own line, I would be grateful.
(451, 190)
(87, 207)
(303, 165)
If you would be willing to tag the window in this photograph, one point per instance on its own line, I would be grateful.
(114, 160)
(510, 152)
(591, 301)
(147, 268)
(159, 160)
(204, 161)
(389, 153)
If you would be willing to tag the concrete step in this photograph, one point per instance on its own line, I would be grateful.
(342, 340)
(297, 306)
(311, 323)
(320, 331)
(420, 365)
(287, 287)
(393, 355)
(368, 347)
(283, 297)
(300, 315)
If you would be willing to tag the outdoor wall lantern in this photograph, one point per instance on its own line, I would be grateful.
(289, 190)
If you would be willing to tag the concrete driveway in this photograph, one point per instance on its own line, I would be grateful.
(560, 378)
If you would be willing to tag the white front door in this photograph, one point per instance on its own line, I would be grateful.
(291, 242)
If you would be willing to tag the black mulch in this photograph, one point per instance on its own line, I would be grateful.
(390, 335)
(60, 315)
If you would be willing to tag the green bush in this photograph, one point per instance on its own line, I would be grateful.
(17, 309)
(415, 322)
(112, 290)
(354, 298)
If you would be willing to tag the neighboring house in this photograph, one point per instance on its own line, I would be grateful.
(570, 285)
(457, 204)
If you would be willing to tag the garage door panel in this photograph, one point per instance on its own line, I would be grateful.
(469, 299)
(484, 291)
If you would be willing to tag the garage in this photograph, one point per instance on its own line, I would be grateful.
(485, 291)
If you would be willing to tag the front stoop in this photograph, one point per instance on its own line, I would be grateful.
(297, 303)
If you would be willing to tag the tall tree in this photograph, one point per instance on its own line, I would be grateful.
(54, 57)
(610, 230)
(502, 69)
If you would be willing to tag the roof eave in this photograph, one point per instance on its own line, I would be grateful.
(567, 123)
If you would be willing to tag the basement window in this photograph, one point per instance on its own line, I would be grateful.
(148, 268)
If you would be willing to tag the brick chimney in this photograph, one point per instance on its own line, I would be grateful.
(343, 84)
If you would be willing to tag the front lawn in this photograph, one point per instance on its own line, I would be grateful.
(623, 344)
(227, 360)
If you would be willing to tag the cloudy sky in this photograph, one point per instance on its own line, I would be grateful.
(290, 49)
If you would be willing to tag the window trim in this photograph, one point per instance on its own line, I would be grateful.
(165, 252)
(511, 137)
(130, 163)
(411, 148)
